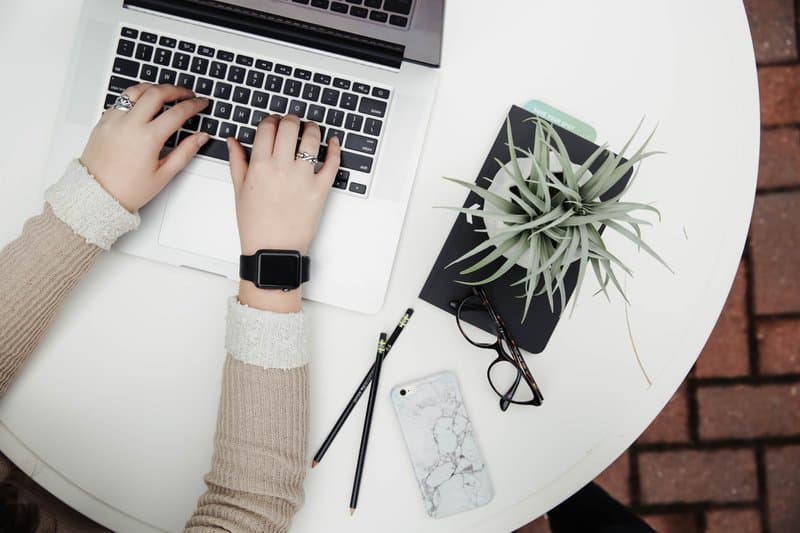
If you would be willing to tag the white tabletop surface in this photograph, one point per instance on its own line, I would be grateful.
(115, 412)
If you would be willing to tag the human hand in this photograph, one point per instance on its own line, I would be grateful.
(279, 199)
(123, 150)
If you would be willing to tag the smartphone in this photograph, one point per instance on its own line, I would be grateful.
(440, 439)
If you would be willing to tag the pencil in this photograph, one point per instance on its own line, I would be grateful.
(360, 391)
(373, 393)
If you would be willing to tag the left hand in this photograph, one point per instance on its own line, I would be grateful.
(124, 148)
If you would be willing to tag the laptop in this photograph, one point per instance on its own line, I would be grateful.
(365, 70)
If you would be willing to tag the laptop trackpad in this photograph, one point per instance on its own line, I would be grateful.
(200, 218)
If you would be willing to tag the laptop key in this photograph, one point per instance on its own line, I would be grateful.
(126, 67)
(302, 74)
(144, 52)
(292, 88)
(181, 61)
(255, 79)
(278, 103)
(330, 97)
(148, 37)
(353, 122)
(186, 81)
(311, 92)
(125, 47)
(163, 56)
(361, 143)
(378, 16)
(274, 83)
(204, 86)
(341, 83)
(241, 114)
(222, 110)
(316, 113)
(130, 33)
(369, 106)
(358, 188)
(372, 3)
(283, 69)
(169, 42)
(215, 148)
(402, 7)
(349, 101)
(334, 133)
(359, 12)
(380, 93)
(224, 56)
(398, 20)
(322, 4)
(218, 70)
(339, 7)
(334, 117)
(258, 116)
(118, 85)
(263, 64)
(324, 79)
(246, 135)
(206, 51)
(167, 76)
(110, 99)
(237, 74)
(192, 124)
(247, 61)
(259, 99)
(200, 65)
(361, 88)
(223, 90)
(342, 177)
(297, 107)
(184, 46)
(373, 126)
(227, 130)
(149, 73)
(355, 161)
(210, 125)
(241, 95)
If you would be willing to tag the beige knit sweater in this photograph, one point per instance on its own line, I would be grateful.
(258, 466)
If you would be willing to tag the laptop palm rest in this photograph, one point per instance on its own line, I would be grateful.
(200, 218)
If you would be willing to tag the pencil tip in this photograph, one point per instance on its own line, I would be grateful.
(314, 463)
(352, 510)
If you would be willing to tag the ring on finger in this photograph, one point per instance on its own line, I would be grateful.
(123, 103)
(305, 156)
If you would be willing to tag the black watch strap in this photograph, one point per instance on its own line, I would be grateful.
(248, 266)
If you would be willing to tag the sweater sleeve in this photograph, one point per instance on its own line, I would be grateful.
(258, 467)
(40, 268)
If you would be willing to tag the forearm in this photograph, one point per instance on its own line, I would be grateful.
(258, 467)
(40, 268)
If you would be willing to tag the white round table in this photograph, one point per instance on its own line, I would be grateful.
(115, 412)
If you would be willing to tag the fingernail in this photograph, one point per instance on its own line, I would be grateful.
(202, 139)
(336, 138)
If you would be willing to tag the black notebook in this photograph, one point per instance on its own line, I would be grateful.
(441, 287)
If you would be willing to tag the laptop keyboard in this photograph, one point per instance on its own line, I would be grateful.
(243, 89)
(391, 12)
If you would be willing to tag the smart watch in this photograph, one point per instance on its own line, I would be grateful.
(275, 269)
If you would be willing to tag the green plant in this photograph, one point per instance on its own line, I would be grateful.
(555, 216)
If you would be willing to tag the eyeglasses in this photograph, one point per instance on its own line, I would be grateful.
(508, 375)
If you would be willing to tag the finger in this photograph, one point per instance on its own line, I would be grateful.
(309, 142)
(173, 118)
(153, 99)
(238, 161)
(327, 173)
(180, 156)
(286, 139)
(265, 138)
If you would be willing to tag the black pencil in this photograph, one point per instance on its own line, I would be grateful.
(373, 393)
(359, 391)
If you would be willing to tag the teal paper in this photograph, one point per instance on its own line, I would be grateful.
(559, 118)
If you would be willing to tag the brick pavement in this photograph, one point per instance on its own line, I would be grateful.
(724, 454)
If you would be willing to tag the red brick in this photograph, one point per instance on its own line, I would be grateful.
(748, 411)
(540, 525)
(697, 476)
(726, 353)
(779, 160)
(730, 520)
(671, 425)
(772, 27)
(672, 522)
(780, 95)
(779, 347)
(615, 479)
(775, 251)
(783, 488)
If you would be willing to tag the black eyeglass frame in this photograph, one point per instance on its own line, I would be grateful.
(515, 358)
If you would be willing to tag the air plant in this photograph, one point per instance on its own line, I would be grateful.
(552, 218)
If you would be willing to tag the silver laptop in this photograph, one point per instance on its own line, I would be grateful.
(363, 69)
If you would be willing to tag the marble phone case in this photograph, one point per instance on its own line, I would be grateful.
(439, 436)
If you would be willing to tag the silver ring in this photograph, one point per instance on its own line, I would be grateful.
(305, 156)
(123, 103)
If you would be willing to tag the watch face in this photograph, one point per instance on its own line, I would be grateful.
(279, 270)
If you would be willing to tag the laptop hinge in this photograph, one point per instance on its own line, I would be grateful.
(279, 28)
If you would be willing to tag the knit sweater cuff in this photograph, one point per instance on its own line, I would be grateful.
(264, 338)
(81, 203)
